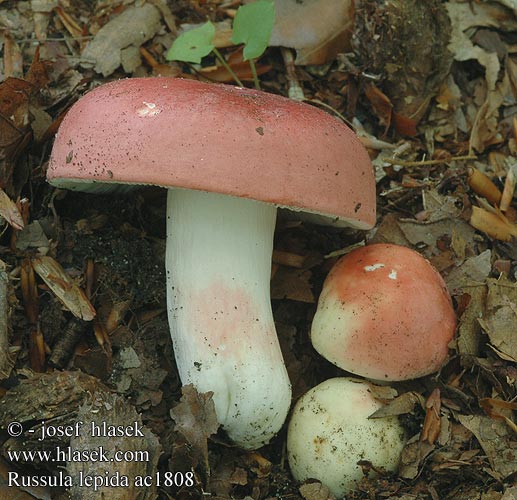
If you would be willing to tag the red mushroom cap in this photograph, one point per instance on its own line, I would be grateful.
(246, 143)
(384, 313)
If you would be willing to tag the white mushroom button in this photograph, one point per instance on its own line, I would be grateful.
(330, 432)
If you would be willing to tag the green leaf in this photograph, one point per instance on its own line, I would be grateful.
(193, 45)
(252, 26)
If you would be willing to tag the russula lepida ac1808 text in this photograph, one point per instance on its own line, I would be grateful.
(229, 157)
(384, 313)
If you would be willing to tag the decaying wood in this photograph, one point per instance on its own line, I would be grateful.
(64, 347)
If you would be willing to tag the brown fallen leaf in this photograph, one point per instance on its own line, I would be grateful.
(131, 28)
(468, 338)
(413, 456)
(494, 408)
(500, 318)
(15, 130)
(15, 118)
(405, 403)
(13, 58)
(9, 211)
(381, 104)
(509, 185)
(432, 424)
(69, 23)
(317, 29)
(315, 491)
(510, 493)
(196, 421)
(497, 441)
(293, 284)
(54, 276)
(482, 185)
(241, 69)
(493, 223)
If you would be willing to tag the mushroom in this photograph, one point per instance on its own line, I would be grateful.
(229, 156)
(384, 313)
(330, 432)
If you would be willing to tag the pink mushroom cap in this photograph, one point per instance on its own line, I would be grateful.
(182, 133)
(384, 313)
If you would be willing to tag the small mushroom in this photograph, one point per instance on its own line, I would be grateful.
(229, 156)
(330, 432)
(384, 313)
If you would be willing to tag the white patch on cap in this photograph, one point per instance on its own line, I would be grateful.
(373, 267)
(150, 109)
(392, 275)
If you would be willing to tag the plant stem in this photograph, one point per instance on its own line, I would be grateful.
(227, 67)
(254, 73)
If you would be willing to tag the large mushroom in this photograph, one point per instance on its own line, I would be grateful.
(384, 313)
(229, 157)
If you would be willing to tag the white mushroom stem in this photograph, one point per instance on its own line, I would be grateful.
(218, 277)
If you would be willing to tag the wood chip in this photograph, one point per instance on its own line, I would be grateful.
(54, 276)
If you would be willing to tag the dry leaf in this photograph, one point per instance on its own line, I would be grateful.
(463, 17)
(381, 104)
(54, 276)
(482, 185)
(474, 271)
(196, 420)
(500, 319)
(432, 423)
(405, 403)
(468, 339)
(133, 27)
(13, 58)
(317, 29)
(315, 491)
(9, 211)
(293, 284)
(467, 19)
(413, 456)
(14, 127)
(495, 408)
(12, 492)
(32, 236)
(511, 492)
(497, 441)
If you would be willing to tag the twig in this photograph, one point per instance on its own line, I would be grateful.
(421, 163)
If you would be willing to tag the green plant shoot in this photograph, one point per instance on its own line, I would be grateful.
(193, 45)
(252, 26)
